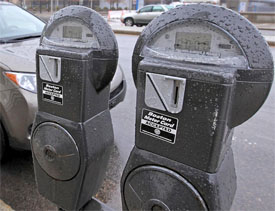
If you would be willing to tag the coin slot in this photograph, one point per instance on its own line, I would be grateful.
(175, 93)
(56, 67)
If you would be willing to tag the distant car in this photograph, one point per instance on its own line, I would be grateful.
(20, 32)
(144, 15)
(176, 4)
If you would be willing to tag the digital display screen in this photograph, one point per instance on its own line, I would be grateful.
(193, 41)
(72, 32)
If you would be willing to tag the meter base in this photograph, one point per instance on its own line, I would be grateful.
(165, 181)
(94, 140)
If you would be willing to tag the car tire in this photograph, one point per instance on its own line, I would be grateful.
(129, 22)
(2, 143)
(139, 25)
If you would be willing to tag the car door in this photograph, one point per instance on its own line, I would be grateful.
(143, 15)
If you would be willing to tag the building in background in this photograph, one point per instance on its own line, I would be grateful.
(261, 6)
(95, 4)
(114, 4)
(250, 5)
(237, 5)
(57, 4)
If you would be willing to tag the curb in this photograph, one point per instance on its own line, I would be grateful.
(266, 28)
(4, 206)
(270, 40)
(121, 31)
(271, 43)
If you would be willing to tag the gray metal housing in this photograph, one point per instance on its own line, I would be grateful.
(217, 98)
(72, 133)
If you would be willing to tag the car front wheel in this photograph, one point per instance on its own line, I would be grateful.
(129, 22)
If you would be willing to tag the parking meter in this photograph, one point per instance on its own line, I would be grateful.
(200, 70)
(72, 133)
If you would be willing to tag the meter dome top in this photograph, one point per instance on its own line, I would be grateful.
(245, 33)
(89, 18)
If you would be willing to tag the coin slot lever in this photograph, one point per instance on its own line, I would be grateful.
(164, 92)
(50, 68)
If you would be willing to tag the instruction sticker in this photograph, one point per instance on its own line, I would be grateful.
(159, 126)
(52, 93)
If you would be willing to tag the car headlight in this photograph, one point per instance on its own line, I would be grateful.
(25, 81)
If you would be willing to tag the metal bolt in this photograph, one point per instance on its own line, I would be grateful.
(157, 208)
(49, 153)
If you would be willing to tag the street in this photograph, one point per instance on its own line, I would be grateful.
(253, 147)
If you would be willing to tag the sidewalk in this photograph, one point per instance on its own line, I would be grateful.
(265, 26)
(270, 40)
(119, 28)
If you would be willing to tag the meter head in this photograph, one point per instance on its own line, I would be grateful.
(79, 27)
(79, 33)
(196, 42)
(72, 33)
(210, 38)
(201, 31)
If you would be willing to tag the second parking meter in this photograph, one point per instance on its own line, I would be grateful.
(200, 70)
(72, 133)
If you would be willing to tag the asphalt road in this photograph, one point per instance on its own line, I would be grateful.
(253, 147)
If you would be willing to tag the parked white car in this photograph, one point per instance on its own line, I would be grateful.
(144, 15)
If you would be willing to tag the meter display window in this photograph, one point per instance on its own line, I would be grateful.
(193, 41)
(71, 33)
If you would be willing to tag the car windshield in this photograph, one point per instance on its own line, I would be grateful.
(169, 7)
(17, 24)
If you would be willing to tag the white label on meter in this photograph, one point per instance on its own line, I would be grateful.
(52, 93)
(159, 126)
